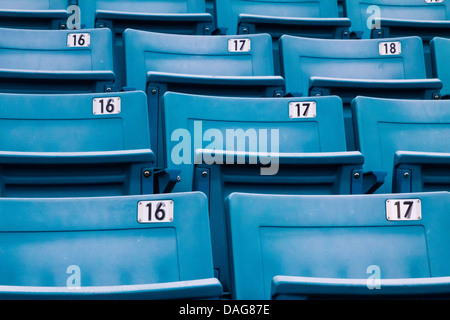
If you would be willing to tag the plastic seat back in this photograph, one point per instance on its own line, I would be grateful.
(441, 68)
(386, 68)
(267, 145)
(174, 16)
(38, 14)
(304, 58)
(361, 13)
(79, 145)
(246, 124)
(135, 247)
(336, 237)
(208, 65)
(228, 11)
(387, 126)
(56, 61)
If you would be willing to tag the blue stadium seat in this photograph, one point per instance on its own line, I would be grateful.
(219, 145)
(36, 14)
(398, 19)
(56, 61)
(75, 145)
(339, 246)
(107, 248)
(212, 65)
(190, 131)
(441, 66)
(408, 139)
(421, 171)
(402, 18)
(319, 19)
(173, 16)
(387, 68)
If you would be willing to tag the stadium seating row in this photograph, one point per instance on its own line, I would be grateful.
(232, 133)
(143, 247)
(101, 147)
(112, 128)
(236, 15)
(36, 61)
(330, 19)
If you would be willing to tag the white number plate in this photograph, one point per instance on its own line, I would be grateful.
(403, 210)
(106, 106)
(434, 1)
(302, 109)
(155, 211)
(390, 48)
(239, 45)
(78, 39)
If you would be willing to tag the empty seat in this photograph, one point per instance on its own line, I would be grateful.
(440, 64)
(36, 14)
(133, 247)
(74, 145)
(264, 145)
(390, 68)
(387, 19)
(214, 65)
(250, 125)
(339, 246)
(56, 61)
(174, 16)
(405, 138)
(319, 19)
(421, 171)
(383, 18)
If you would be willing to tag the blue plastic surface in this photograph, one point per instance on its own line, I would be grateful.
(41, 61)
(209, 116)
(340, 237)
(304, 288)
(36, 14)
(318, 19)
(145, 14)
(348, 68)
(309, 154)
(421, 171)
(49, 244)
(385, 19)
(440, 64)
(296, 173)
(303, 58)
(54, 145)
(386, 126)
(158, 63)
(397, 19)
(229, 12)
(174, 16)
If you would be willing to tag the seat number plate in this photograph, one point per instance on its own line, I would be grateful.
(78, 40)
(239, 45)
(403, 210)
(390, 48)
(155, 211)
(302, 109)
(106, 106)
